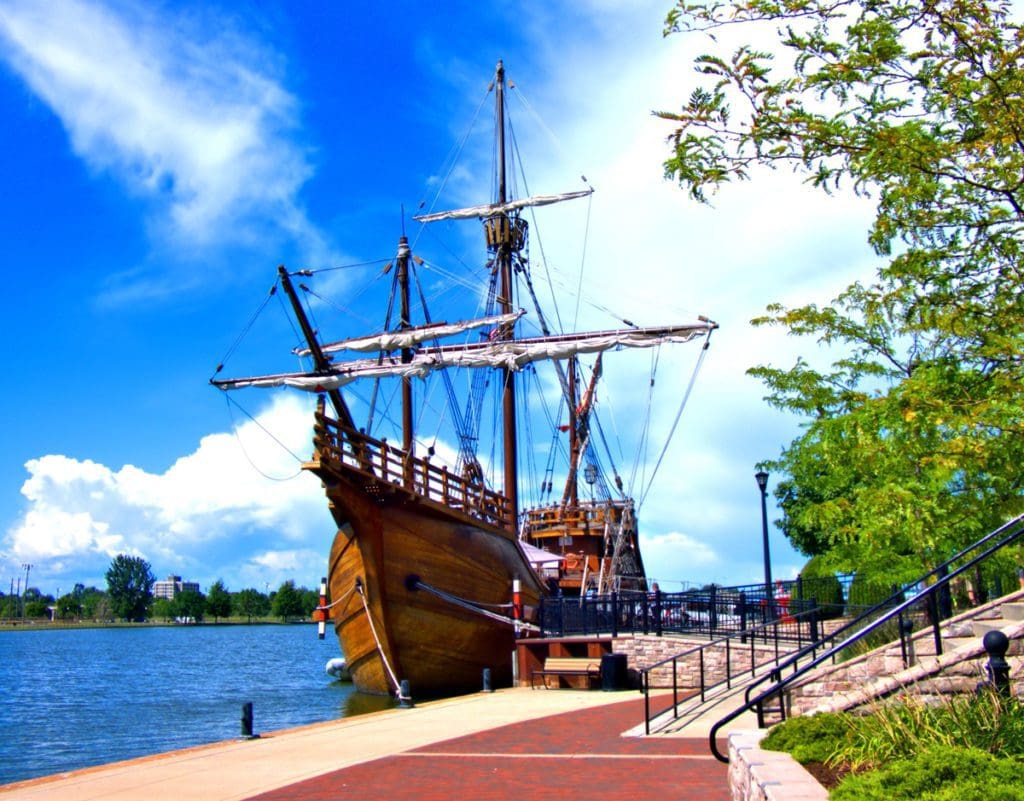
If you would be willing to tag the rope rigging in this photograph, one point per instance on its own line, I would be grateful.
(476, 607)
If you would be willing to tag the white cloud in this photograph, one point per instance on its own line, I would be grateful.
(195, 518)
(184, 111)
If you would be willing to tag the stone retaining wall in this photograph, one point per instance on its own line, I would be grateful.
(756, 775)
(643, 650)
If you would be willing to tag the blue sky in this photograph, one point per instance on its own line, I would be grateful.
(159, 161)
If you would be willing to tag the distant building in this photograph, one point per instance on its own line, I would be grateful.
(171, 586)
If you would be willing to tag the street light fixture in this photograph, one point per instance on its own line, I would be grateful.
(761, 476)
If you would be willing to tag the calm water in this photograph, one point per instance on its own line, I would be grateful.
(74, 698)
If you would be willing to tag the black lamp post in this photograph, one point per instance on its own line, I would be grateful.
(762, 483)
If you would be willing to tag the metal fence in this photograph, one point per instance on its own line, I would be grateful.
(712, 612)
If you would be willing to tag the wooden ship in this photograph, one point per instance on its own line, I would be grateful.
(429, 579)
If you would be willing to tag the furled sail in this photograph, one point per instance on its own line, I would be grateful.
(511, 354)
(411, 337)
(491, 209)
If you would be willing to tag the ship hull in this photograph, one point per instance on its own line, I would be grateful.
(401, 545)
(381, 557)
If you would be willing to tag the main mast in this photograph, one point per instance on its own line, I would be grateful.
(504, 255)
(404, 324)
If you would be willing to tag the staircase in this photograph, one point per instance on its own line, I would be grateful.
(872, 676)
(882, 673)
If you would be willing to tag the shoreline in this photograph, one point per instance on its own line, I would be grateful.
(44, 625)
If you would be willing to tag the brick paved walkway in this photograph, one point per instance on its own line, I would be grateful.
(576, 754)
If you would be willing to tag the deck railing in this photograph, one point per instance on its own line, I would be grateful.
(378, 461)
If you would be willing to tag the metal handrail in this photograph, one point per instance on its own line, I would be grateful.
(942, 576)
(760, 630)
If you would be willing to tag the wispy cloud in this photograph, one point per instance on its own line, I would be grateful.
(186, 112)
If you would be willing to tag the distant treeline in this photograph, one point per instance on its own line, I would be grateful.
(129, 596)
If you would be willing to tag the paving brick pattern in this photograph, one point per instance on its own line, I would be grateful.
(577, 754)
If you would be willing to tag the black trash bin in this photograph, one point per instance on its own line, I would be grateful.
(614, 672)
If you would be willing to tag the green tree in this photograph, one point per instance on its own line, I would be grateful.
(163, 609)
(251, 603)
(912, 442)
(287, 601)
(38, 605)
(310, 600)
(95, 604)
(189, 604)
(69, 606)
(130, 587)
(218, 600)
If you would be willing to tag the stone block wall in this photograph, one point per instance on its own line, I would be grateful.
(644, 650)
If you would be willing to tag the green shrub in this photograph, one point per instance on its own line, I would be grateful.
(815, 738)
(984, 721)
(866, 592)
(820, 584)
(938, 774)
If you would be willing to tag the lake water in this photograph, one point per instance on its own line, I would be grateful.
(70, 698)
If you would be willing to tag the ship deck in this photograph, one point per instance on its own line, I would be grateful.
(508, 744)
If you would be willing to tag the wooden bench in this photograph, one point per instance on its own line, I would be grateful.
(586, 666)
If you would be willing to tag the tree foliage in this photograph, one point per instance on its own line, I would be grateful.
(189, 605)
(130, 587)
(251, 603)
(287, 601)
(913, 435)
(218, 600)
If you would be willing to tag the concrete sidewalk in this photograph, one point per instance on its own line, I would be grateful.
(396, 754)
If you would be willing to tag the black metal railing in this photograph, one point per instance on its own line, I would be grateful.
(709, 612)
(925, 602)
(742, 653)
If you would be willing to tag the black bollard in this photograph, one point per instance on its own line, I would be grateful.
(405, 696)
(247, 722)
(487, 681)
(996, 644)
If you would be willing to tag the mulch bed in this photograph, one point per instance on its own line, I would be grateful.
(828, 776)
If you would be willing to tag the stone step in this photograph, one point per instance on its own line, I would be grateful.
(952, 643)
(1013, 610)
(983, 627)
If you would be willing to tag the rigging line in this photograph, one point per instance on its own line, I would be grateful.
(555, 140)
(608, 450)
(453, 277)
(314, 271)
(231, 402)
(342, 599)
(252, 321)
(465, 448)
(679, 412)
(583, 262)
(641, 446)
(376, 639)
(289, 315)
(471, 606)
(380, 357)
(448, 165)
(337, 306)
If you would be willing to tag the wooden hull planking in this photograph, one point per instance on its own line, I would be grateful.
(439, 647)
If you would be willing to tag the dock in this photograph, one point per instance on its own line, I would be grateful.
(511, 743)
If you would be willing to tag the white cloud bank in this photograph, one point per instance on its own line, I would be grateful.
(197, 518)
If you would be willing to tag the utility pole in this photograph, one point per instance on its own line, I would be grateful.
(27, 567)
